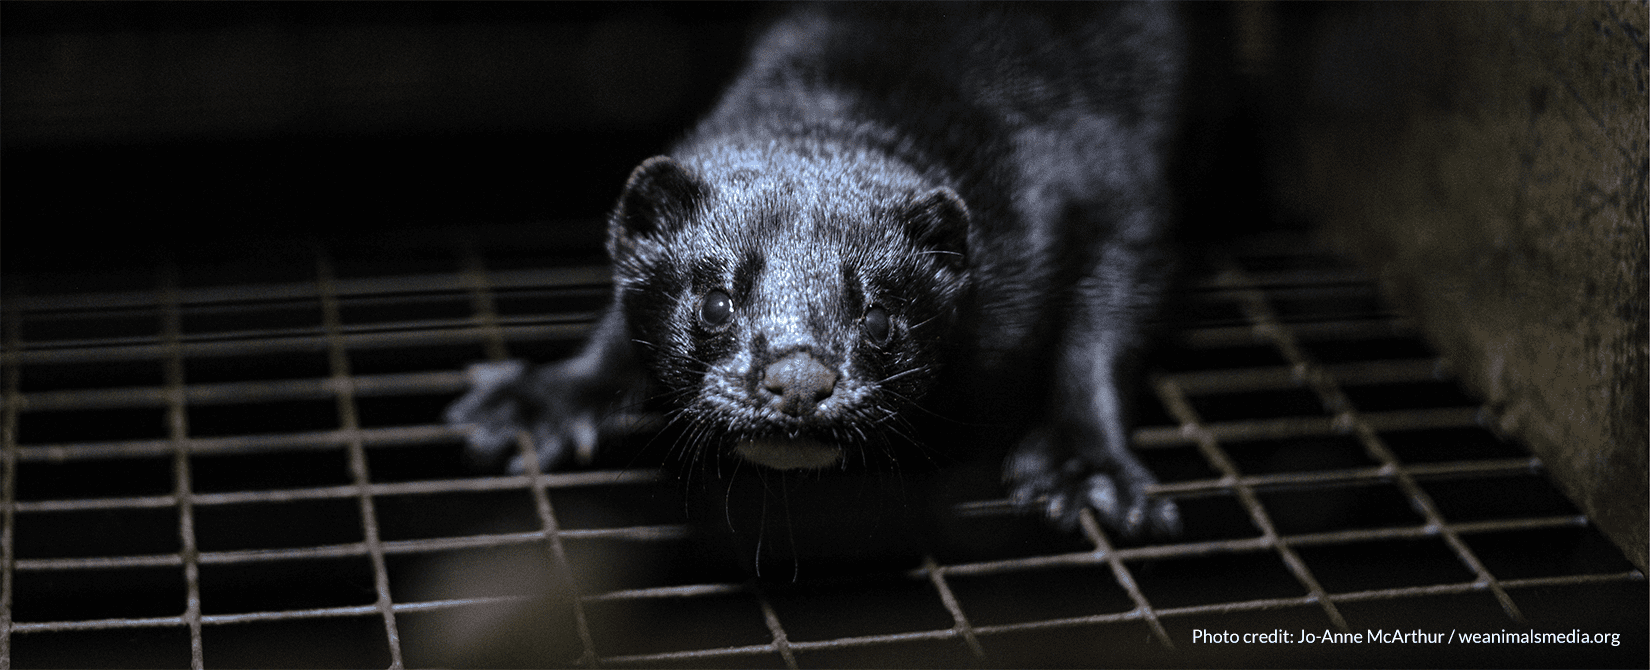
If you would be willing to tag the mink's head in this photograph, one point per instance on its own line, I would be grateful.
(791, 314)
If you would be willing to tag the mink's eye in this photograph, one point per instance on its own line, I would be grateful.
(875, 323)
(716, 310)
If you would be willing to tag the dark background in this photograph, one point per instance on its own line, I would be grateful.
(137, 131)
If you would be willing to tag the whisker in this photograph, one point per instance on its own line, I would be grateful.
(897, 375)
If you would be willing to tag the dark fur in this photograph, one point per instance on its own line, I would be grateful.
(995, 180)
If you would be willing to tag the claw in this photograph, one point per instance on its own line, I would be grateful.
(1056, 507)
(1166, 517)
(584, 439)
(1134, 520)
(1102, 495)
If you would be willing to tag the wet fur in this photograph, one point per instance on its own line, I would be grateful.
(996, 179)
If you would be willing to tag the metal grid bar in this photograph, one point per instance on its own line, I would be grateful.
(9, 376)
(552, 541)
(344, 382)
(936, 575)
(496, 334)
(178, 434)
(781, 641)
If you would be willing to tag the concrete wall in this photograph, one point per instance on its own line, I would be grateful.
(1488, 162)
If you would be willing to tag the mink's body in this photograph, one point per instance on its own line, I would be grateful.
(899, 221)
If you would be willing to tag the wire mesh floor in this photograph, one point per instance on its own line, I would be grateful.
(239, 462)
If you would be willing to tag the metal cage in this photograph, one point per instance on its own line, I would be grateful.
(241, 463)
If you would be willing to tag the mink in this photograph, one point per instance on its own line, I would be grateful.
(902, 230)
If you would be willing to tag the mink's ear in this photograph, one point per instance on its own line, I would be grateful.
(938, 221)
(660, 196)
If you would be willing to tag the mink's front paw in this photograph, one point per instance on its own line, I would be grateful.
(508, 397)
(1046, 473)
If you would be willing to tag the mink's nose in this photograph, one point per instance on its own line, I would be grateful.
(798, 383)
